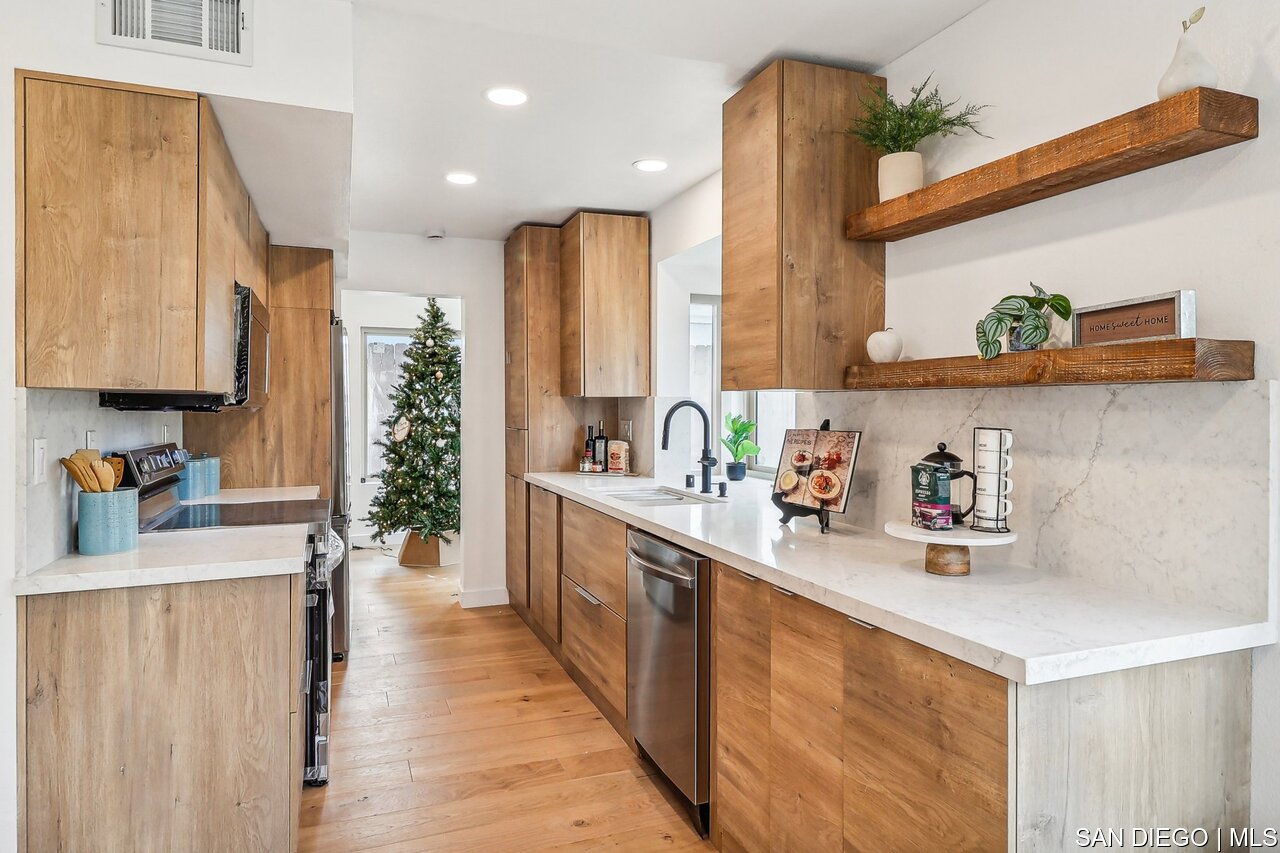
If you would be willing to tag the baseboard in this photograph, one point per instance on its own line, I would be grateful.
(483, 597)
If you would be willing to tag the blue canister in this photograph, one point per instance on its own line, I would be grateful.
(108, 522)
(191, 480)
(212, 475)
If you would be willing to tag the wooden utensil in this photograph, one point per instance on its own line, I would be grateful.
(76, 474)
(117, 467)
(106, 476)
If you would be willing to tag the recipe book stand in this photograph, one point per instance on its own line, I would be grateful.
(790, 511)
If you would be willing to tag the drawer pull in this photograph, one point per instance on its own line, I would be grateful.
(746, 577)
(588, 596)
(788, 593)
(862, 624)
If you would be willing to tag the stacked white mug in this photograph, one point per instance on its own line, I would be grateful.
(991, 466)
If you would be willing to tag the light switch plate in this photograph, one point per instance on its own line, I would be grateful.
(91, 439)
(39, 460)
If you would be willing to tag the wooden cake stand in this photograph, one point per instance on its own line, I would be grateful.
(947, 551)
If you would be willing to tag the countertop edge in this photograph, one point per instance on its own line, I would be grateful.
(34, 584)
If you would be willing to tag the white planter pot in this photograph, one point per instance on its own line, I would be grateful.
(900, 174)
(1188, 70)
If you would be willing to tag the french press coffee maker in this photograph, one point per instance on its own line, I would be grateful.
(944, 458)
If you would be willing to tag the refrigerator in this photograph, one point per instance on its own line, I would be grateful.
(341, 500)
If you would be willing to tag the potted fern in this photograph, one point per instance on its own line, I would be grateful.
(895, 129)
(1024, 318)
(739, 443)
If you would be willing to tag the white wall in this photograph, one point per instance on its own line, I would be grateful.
(473, 271)
(1206, 223)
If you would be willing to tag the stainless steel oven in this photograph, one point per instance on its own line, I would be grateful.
(668, 663)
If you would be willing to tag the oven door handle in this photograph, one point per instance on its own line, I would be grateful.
(662, 573)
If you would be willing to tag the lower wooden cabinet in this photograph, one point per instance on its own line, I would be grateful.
(544, 560)
(517, 542)
(595, 554)
(595, 642)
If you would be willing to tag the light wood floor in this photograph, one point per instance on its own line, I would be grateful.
(456, 730)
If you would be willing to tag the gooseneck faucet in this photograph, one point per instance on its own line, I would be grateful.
(708, 462)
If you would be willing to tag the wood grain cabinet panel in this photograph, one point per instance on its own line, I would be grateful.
(926, 752)
(224, 250)
(544, 560)
(518, 542)
(259, 261)
(128, 748)
(515, 328)
(740, 805)
(595, 554)
(604, 306)
(799, 300)
(595, 643)
(301, 278)
(108, 181)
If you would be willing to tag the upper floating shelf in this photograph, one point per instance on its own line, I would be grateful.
(1175, 360)
(1184, 125)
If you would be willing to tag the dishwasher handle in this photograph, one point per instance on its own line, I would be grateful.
(662, 573)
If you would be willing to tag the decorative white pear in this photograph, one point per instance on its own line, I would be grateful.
(1189, 68)
(884, 347)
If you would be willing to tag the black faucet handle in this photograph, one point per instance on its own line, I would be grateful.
(724, 489)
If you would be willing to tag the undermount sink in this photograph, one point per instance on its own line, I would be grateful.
(658, 496)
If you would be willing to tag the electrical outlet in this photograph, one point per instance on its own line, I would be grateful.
(625, 427)
(39, 460)
(91, 439)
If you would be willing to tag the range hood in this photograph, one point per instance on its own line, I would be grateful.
(163, 401)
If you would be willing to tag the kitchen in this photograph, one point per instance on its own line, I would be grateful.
(633, 660)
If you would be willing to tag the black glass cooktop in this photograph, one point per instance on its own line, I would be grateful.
(197, 516)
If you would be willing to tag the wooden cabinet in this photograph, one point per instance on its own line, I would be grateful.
(595, 643)
(799, 300)
(224, 242)
(544, 561)
(604, 306)
(595, 554)
(107, 235)
(518, 542)
(155, 714)
(832, 735)
(254, 269)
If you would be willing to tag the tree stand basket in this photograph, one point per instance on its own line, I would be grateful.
(419, 553)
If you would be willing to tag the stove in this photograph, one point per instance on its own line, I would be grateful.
(209, 516)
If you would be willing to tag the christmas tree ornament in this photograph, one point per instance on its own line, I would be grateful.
(400, 431)
(439, 375)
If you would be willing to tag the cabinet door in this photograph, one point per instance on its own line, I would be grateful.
(544, 560)
(224, 212)
(515, 327)
(740, 805)
(595, 643)
(806, 737)
(925, 748)
(259, 257)
(595, 554)
(517, 542)
(108, 185)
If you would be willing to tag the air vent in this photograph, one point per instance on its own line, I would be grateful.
(204, 29)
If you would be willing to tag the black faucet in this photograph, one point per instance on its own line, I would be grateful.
(707, 461)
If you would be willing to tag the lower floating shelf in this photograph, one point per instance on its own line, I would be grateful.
(1177, 360)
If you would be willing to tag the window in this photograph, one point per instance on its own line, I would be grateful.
(774, 413)
(383, 360)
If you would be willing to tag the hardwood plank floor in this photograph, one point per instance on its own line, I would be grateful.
(455, 730)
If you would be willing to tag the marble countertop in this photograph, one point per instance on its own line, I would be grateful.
(1017, 621)
(185, 556)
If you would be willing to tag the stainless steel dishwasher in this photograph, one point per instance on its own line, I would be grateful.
(668, 663)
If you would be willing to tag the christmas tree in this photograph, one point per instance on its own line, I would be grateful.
(420, 488)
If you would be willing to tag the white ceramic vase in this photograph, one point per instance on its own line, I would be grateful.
(1188, 70)
(900, 174)
(884, 347)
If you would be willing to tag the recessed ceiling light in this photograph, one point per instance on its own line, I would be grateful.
(505, 96)
(462, 179)
(650, 164)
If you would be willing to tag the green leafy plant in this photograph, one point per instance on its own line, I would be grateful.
(739, 438)
(894, 127)
(1031, 312)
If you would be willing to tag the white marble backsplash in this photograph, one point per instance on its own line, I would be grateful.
(1162, 489)
(47, 517)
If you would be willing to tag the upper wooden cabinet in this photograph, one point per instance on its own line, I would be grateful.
(301, 278)
(799, 300)
(253, 268)
(134, 228)
(604, 306)
(107, 231)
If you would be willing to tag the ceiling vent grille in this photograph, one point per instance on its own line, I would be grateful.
(203, 29)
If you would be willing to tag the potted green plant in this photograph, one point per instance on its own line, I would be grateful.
(739, 443)
(895, 129)
(1024, 318)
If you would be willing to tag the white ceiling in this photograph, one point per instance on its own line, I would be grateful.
(609, 83)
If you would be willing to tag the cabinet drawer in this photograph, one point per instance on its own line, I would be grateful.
(517, 452)
(594, 639)
(594, 554)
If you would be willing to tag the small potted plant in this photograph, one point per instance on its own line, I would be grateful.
(1024, 318)
(740, 445)
(897, 128)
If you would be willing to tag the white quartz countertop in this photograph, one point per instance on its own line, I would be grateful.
(1017, 621)
(185, 556)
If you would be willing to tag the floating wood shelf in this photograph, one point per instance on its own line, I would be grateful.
(1182, 126)
(1179, 360)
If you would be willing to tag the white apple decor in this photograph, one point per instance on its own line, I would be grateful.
(884, 347)
(1189, 69)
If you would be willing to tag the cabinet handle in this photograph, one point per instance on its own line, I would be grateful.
(746, 577)
(588, 596)
(862, 624)
(508, 356)
(788, 593)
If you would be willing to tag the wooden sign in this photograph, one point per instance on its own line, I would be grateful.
(1147, 318)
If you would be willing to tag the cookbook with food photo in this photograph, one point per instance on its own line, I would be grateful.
(816, 468)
